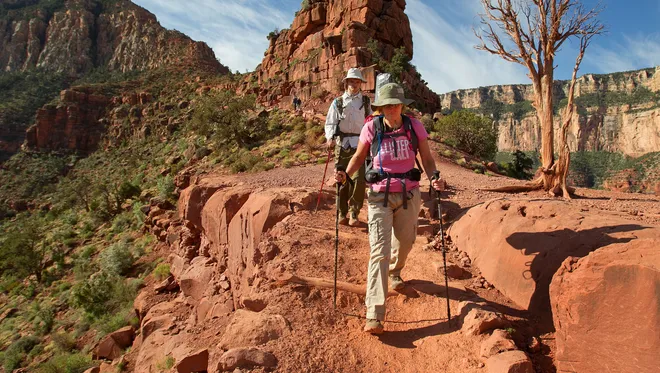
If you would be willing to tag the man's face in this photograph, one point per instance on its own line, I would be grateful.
(353, 85)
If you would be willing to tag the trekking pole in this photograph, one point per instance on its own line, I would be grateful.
(318, 200)
(334, 298)
(436, 175)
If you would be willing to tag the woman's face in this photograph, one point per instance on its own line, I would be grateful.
(392, 110)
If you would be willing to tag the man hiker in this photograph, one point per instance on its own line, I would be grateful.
(296, 103)
(343, 125)
(393, 140)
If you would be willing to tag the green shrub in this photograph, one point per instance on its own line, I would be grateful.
(17, 352)
(287, 163)
(162, 271)
(166, 187)
(242, 161)
(43, 317)
(66, 363)
(297, 138)
(470, 133)
(117, 259)
(93, 293)
(64, 342)
(167, 363)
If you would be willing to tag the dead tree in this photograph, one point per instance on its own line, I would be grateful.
(531, 32)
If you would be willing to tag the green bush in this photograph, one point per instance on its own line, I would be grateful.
(103, 294)
(22, 252)
(162, 271)
(17, 352)
(242, 161)
(166, 187)
(93, 293)
(395, 66)
(64, 342)
(43, 317)
(66, 363)
(470, 133)
(228, 120)
(116, 259)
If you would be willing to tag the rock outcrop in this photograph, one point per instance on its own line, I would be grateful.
(619, 112)
(605, 308)
(74, 124)
(528, 240)
(326, 39)
(84, 34)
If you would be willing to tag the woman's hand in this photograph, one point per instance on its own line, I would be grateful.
(439, 184)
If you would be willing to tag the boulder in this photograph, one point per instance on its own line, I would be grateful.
(498, 342)
(248, 329)
(93, 370)
(195, 279)
(480, 318)
(112, 346)
(246, 216)
(193, 199)
(194, 362)
(528, 240)
(246, 358)
(605, 309)
(510, 362)
(253, 303)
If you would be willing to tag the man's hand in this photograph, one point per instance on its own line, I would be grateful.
(340, 176)
(330, 144)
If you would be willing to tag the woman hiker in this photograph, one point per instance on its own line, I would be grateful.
(394, 199)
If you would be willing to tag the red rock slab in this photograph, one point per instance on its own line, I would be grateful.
(606, 310)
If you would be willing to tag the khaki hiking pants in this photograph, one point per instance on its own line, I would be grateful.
(392, 232)
(351, 196)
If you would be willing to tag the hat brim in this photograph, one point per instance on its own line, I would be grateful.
(392, 101)
(351, 77)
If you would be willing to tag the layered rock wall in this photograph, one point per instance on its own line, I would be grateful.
(74, 124)
(630, 129)
(84, 34)
(311, 58)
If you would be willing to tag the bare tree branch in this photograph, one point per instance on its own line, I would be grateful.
(530, 33)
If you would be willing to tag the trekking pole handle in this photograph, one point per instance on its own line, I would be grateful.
(436, 176)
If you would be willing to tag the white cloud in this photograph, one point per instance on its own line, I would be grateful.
(235, 29)
(444, 48)
(634, 52)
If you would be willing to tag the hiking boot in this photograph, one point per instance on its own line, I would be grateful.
(373, 327)
(397, 283)
(353, 220)
(343, 221)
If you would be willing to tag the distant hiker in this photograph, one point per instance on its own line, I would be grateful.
(343, 124)
(296, 103)
(393, 141)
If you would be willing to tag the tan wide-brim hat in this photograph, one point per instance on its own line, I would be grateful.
(391, 94)
(354, 73)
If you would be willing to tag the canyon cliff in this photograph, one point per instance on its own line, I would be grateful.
(618, 112)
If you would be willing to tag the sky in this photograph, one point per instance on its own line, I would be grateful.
(443, 37)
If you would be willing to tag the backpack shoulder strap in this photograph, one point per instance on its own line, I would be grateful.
(378, 132)
(339, 102)
(366, 103)
(408, 127)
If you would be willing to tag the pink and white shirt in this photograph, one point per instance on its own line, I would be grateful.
(404, 160)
